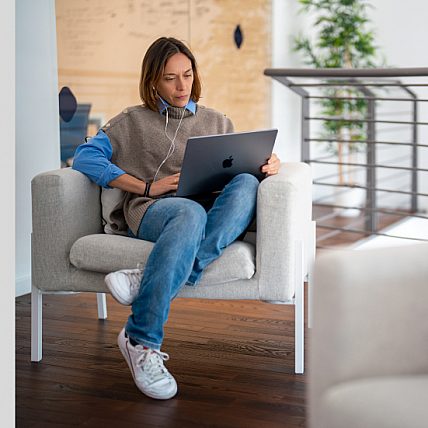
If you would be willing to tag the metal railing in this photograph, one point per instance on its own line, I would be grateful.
(386, 131)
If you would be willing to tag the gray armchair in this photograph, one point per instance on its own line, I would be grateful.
(368, 365)
(71, 252)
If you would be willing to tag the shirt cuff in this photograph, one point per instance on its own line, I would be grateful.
(110, 173)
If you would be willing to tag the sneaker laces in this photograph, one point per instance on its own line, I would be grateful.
(134, 277)
(151, 362)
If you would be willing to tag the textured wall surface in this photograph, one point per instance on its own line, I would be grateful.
(101, 45)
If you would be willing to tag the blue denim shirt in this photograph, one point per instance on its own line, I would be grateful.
(94, 157)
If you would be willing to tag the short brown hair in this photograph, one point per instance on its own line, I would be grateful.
(154, 64)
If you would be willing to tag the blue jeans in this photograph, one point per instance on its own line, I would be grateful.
(187, 239)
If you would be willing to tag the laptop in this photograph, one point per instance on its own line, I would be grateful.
(211, 161)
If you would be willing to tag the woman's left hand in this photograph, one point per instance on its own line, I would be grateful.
(272, 165)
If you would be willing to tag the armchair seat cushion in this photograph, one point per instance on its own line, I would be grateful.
(105, 253)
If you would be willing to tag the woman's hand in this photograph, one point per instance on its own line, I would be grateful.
(164, 185)
(272, 165)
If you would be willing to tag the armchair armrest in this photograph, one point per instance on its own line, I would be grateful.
(284, 214)
(65, 207)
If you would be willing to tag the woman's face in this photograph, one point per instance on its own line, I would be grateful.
(175, 85)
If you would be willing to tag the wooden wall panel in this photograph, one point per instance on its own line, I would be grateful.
(101, 44)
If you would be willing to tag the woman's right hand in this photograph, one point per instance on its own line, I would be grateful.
(164, 185)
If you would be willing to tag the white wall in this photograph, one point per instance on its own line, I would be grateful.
(37, 113)
(7, 214)
(401, 31)
(286, 23)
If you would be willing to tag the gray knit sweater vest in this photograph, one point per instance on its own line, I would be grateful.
(139, 143)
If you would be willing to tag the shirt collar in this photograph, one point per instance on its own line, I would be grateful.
(191, 106)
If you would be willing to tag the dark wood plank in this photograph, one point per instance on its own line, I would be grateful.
(233, 361)
(343, 238)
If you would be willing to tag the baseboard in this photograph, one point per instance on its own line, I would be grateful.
(23, 285)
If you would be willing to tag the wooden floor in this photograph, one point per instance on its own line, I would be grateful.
(233, 361)
(333, 238)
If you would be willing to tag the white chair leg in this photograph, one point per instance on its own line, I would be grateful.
(299, 311)
(102, 306)
(36, 324)
(311, 260)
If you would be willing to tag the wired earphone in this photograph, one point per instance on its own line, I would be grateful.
(172, 140)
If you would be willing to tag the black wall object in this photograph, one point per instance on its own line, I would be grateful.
(67, 104)
(238, 36)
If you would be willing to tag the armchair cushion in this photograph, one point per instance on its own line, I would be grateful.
(107, 253)
(377, 402)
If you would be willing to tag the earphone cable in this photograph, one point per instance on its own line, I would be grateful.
(172, 140)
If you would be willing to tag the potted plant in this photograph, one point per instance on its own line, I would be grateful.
(342, 40)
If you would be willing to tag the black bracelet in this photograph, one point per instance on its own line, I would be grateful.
(147, 190)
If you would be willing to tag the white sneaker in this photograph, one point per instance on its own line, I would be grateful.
(150, 375)
(124, 284)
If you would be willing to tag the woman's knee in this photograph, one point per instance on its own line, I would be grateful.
(190, 215)
(246, 180)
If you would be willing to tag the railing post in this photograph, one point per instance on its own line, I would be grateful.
(414, 197)
(371, 218)
(305, 146)
(414, 177)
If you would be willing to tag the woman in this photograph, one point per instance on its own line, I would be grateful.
(140, 151)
